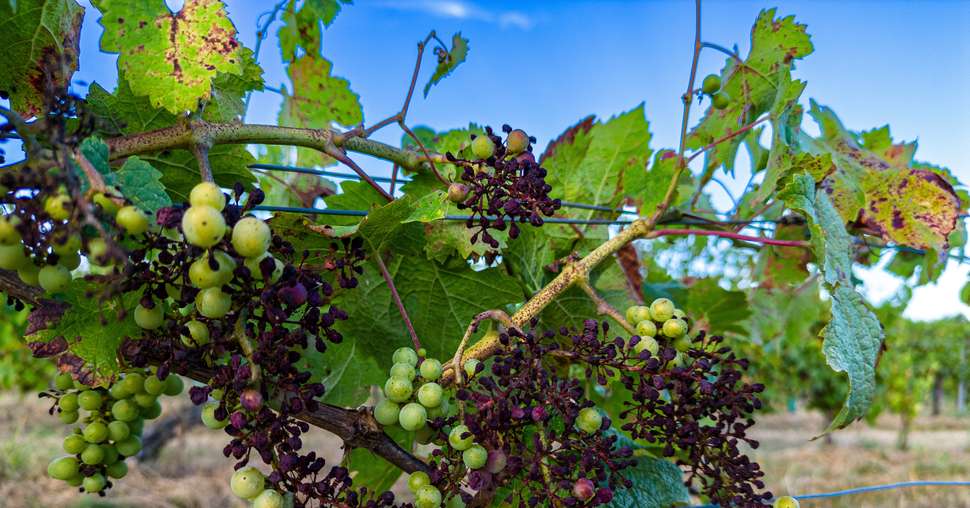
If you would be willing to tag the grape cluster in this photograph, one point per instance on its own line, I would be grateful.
(111, 426)
(503, 185)
(711, 86)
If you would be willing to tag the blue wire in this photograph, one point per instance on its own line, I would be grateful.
(870, 488)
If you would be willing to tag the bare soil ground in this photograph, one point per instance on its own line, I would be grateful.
(192, 473)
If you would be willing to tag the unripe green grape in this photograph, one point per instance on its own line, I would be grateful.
(129, 447)
(457, 192)
(475, 457)
(95, 432)
(154, 386)
(785, 502)
(68, 402)
(209, 417)
(145, 400)
(413, 416)
(269, 499)
(422, 353)
(589, 420)
(637, 313)
(8, 230)
(149, 319)
(679, 314)
(661, 309)
(646, 328)
(106, 203)
(483, 147)
(386, 412)
(58, 207)
(118, 391)
(173, 385)
(247, 483)
(117, 470)
(429, 395)
(203, 226)
(398, 389)
(251, 237)
(95, 483)
(439, 410)
(151, 412)
(431, 369)
(90, 400)
(720, 100)
(134, 383)
(458, 442)
(647, 343)
(70, 260)
(54, 278)
(137, 426)
(111, 454)
(471, 367)
(203, 276)
(207, 194)
(711, 84)
(253, 265)
(92, 455)
(74, 444)
(97, 251)
(405, 355)
(75, 481)
(124, 410)
(674, 328)
(118, 430)
(418, 479)
(63, 381)
(198, 334)
(213, 303)
(12, 257)
(404, 370)
(66, 245)
(133, 220)
(63, 468)
(517, 142)
(29, 274)
(428, 496)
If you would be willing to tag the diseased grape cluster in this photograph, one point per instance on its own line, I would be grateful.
(503, 186)
(111, 423)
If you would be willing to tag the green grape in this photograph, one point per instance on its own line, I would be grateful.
(118, 430)
(97, 251)
(124, 410)
(398, 389)
(431, 369)
(154, 386)
(674, 328)
(8, 230)
(118, 391)
(173, 385)
(134, 383)
(647, 343)
(58, 207)
(70, 260)
(145, 400)
(458, 442)
(68, 401)
(12, 257)
(63, 381)
(203, 226)
(149, 319)
(90, 400)
(198, 334)
(429, 395)
(217, 394)
(720, 100)
(428, 496)
(137, 426)
(67, 417)
(95, 432)
(75, 481)
(253, 265)
(418, 479)
(95, 483)
(386, 412)
(247, 483)
(405, 355)
(209, 417)
(646, 328)
(785, 502)
(63, 468)
(661, 310)
(680, 314)
(475, 457)
(483, 147)
(439, 410)
(203, 276)
(111, 454)
(413, 416)
(151, 412)
(471, 367)
(74, 444)
(213, 303)
(133, 220)
(129, 447)
(403, 370)
(29, 274)
(54, 278)
(207, 194)
(423, 352)
(457, 192)
(106, 203)
(589, 420)
(63, 246)
(517, 142)
(269, 499)
(711, 84)
(251, 237)
(117, 470)
(92, 455)
(637, 313)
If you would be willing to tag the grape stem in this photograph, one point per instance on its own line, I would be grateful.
(397, 301)
(603, 307)
(201, 153)
(459, 359)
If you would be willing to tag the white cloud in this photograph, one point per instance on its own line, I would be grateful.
(459, 9)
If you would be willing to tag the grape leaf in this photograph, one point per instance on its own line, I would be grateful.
(180, 169)
(447, 62)
(657, 483)
(648, 188)
(173, 57)
(346, 371)
(528, 256)
(784, 266)
(716, 309)
(853, 336)
(429, 208)
(301, 27)
(40, 50)
(139, 182)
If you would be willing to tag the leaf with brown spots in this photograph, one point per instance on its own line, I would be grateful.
(40, 47)
(172, 58)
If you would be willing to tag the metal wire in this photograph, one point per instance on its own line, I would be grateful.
(869, 488)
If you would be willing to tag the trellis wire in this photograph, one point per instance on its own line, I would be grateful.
(869, 488)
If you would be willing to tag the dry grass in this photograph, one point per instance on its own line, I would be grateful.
(192, 473)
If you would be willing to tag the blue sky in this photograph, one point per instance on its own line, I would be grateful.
(543, 65)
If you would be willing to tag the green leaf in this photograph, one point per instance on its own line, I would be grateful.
(96, 152)
(354, 195)
(40, 41)
(716, 309)
(648, 188)
(854, 336)
(657, 483)
(528, 256)
(172, 58)
(346, 370)
(180, 169)
(301, 27)
(139, 182)
(430, 207)
(448, 61)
